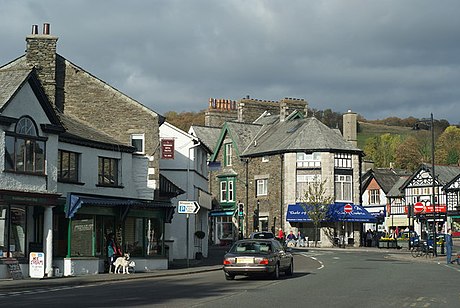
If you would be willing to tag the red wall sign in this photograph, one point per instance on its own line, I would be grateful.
(167, 148)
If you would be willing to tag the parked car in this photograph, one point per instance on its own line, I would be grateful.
(262, 235)
(257, 257)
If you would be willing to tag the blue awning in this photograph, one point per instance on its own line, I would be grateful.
(76, 201)
(297, 213)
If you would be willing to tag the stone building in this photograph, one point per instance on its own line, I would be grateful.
(108, 143)
(268, 157)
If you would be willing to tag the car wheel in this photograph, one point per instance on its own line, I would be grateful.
(276, 273)
(290, 270)
(229, 276)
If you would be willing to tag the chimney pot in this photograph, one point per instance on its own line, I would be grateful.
(46, 28)
(34, 29)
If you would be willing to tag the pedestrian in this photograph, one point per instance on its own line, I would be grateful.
(290, 239)
(280, 234)
(113, 250)
(369, 238)
(449, 246)
(300, 239)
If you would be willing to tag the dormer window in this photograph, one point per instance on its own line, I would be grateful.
(24, 148)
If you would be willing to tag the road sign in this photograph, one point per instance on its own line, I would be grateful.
(348, 208)
(188, 207)
(418, 207)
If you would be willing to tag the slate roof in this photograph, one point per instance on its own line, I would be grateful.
(207, 135)
(385, 177)
(10, 82)
(82, 133)
(242, 133)
(395, 191)
(297, 135)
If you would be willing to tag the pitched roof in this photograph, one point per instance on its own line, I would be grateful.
(242, 133)
(79, 132)
(385, 177)
(443, 174)
(207, 135)
(10, 81)
(396, 191)
(295, 135)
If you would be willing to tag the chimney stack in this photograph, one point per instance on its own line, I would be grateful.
(350, 127)
(41, 54)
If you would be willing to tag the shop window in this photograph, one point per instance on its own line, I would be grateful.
(143, 237)
(224, 226)
(24, 149)
(13, 231)
(82, 236)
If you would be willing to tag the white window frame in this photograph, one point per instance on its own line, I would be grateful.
(139, 137)
(343, 188)
(227, 192)
(308, 179)
(223, 191)
(374, 196)
(343, 160)
(311, 160)
(261, 187)
(228, 154)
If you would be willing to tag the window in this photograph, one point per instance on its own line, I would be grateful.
(262, 187)
(342, 160)
(108, 171)
(224, 227)
(303, 182)
(343, 186)
(68, 166)
(228, 154)
(374, 196)
(227, 193)
(13, 230)
(24, 149)
(137, 141)
(312, 160)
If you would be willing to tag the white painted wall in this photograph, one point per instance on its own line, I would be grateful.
(187, 170)
(25, 103)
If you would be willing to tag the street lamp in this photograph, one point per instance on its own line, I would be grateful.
(433, 174)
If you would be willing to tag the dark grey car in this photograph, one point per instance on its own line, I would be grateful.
(257, 256)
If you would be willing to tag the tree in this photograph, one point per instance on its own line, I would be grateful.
(382, 149)
(316, 204)
(448, 146)
(408, 154)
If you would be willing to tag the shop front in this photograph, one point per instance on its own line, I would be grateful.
(224, 227)
(25, 223)
(341, 226)
(83, 225)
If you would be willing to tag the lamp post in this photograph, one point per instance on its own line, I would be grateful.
(433, 174)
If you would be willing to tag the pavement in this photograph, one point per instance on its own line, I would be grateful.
(181, 267)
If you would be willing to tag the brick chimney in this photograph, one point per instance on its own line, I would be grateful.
(350, 127)
(41, 54)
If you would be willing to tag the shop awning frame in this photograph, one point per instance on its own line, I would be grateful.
(297, 213)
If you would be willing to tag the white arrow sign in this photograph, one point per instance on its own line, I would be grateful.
(188, 207)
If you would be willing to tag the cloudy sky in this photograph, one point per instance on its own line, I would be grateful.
(377, 58)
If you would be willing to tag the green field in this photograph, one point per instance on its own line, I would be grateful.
(368, 130)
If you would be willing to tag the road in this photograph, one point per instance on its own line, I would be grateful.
(322, 279)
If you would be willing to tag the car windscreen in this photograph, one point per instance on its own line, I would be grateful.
(251, 247)
(263, 235)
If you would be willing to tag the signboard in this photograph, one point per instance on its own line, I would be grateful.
(418, 207)
(37, 265)
(188, 207)
(348, 208)
(13, 268)
(167, 148)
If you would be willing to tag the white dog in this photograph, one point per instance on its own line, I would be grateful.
(122, 263)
